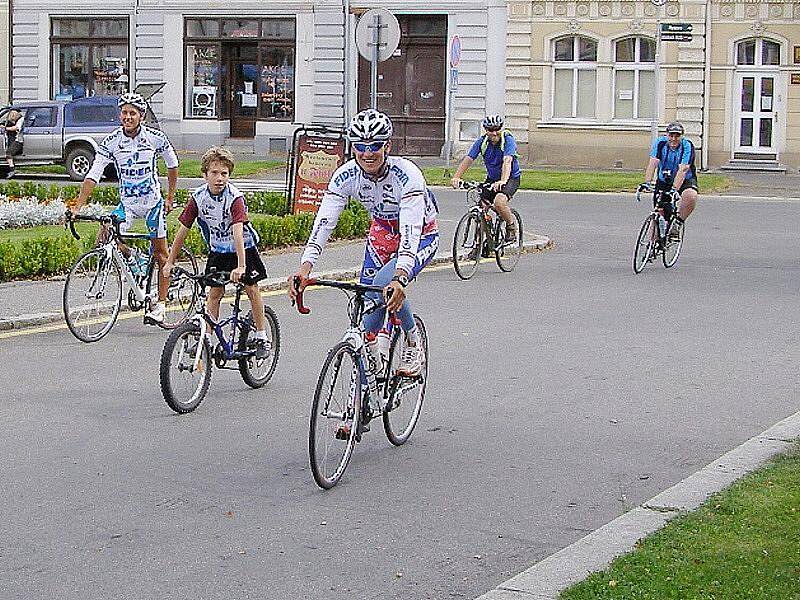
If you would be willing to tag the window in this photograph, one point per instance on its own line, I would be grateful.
(40, 116)
(634, 78)
(95, 114)
(574, 77)
(89, 57)
(223, 54)
(758, 52)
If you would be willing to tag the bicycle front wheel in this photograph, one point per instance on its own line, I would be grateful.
(507, 252)
(335, 415)
(673, 245)
(92, 295)
(467, 245)
(406, 394)
(257, 372)
(182, 291)
(643, 251)
(185, 369)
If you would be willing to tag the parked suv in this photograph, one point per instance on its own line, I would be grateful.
(68, 132)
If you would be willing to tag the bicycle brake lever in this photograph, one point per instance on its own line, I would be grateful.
(299, 288)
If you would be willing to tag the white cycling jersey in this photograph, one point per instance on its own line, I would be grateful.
(400, 201)
(135, 161)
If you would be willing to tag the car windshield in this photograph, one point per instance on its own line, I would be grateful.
(91, 114)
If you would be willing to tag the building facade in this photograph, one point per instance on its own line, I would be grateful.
(583, 88)
(5, 53)
(253, 70)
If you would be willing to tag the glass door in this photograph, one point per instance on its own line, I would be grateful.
(243, 73)
(755, 131)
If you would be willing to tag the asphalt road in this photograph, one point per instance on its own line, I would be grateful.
(560, 396)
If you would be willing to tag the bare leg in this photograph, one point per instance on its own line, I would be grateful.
(257, 304)
(502, 207)
(688, 202)
(161, 253)
(212, 304)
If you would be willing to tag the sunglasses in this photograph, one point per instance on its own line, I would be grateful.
(372, 146)
(493, 129)
(676, 133)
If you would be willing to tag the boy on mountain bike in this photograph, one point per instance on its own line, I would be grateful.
(403, 234)
(133, 149)
(499, 151)
(221, 213)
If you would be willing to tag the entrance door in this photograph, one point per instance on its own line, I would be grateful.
(411, 85)
(242, 75)
(755, 130)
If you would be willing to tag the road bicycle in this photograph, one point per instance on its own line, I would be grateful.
(661, 232)
(191, 352)
(482, 232)
(351, 391)
(93, 291)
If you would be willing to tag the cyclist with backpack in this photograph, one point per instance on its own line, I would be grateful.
(499, 151)
(672, 158)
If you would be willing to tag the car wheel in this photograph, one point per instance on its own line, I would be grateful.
(79, 161)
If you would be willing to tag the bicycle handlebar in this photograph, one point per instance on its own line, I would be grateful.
(214, 277)
(473, 185)
(70, 218)
(358, 288)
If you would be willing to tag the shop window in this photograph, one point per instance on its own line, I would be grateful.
(634, 78)
(574, 77)
(217, 50)
(89, 57)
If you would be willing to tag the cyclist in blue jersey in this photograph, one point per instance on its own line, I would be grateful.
(499, 150)
(133, 149)
(672, 158)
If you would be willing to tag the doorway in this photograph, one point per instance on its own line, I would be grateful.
(412, 85)
(757, 115)
(240, 91)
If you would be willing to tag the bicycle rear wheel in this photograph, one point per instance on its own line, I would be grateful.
(672, 247)
(184, 375)
(182, 291)
(643, 252)
(467, 245)
(405, 395)
(255, 372)
(507, 253)
(335, 415)
(92, 295)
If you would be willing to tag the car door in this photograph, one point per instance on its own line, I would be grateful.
(41, 133)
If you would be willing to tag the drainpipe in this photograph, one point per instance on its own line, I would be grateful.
(346, 99)
(706, 89)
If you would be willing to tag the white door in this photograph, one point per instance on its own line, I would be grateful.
(757, 119)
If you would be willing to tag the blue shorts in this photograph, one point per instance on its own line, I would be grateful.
(154, 217)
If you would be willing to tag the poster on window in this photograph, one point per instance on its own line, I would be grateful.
(317, 159)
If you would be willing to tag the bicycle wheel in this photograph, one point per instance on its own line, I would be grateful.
(255, 372)
(92, 295)
(672, 247)
(507, 253)
(405, 394)
(643, 252)
(335, 415)
(182, 291)
(184, 376)
(467, 245)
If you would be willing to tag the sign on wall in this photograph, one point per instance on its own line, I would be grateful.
(316, 158)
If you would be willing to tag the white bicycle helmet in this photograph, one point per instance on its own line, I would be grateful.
(492, 121)
(135, 100)
(369, 126)
(675, 127)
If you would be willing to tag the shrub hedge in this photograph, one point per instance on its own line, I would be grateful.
(51, 256)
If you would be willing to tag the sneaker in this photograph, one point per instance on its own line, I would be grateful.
(473, 254)
(156, 314)
(411, 361)
(511, 234)
(343, 431)
(675, 232)
(263, 348)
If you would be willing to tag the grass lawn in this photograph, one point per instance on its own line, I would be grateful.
(189, 167)
(578, 181)
(84, 230)
(742, 544)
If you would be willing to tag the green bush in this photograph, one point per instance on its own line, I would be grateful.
(51, 256)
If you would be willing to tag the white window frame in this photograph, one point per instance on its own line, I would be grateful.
(575, 65)
(637, 66)
(759, 57)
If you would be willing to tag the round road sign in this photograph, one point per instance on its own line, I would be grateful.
(389, 34)
(455, 51)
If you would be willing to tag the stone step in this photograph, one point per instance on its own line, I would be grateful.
(763, 166)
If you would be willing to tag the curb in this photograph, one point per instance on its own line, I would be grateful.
(547, 578)
(539, 243)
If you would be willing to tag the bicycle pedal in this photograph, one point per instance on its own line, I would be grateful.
(343, 431)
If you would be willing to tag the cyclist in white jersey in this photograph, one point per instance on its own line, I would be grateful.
(133, 149)
(403, 235)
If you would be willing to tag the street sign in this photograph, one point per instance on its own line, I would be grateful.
(676, 37)
(676, 27)
(453, 80)
(455, 51)
(387, 34)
